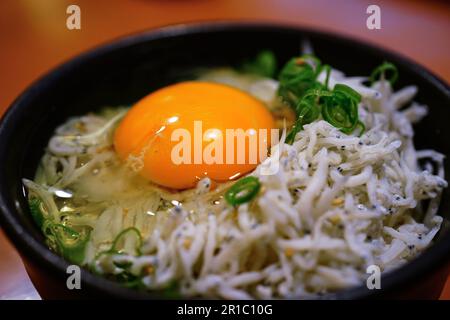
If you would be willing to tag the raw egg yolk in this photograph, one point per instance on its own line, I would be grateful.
(151, 137)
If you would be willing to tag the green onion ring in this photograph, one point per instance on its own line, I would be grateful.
(243, 191)
(382, 69)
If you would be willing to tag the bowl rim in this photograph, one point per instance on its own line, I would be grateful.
(38, 252)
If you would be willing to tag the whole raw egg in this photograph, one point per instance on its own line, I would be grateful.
(190, 130)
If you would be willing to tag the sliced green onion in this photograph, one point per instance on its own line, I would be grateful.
(265, 64)
(382, 70)
(114, 247)
(129, 280)
(307, 111)
(297, 77)
(350, 92)
(125, 277)
(68, 242)
(71, 244)
(308, 114)
(243, 191)
(172, 291)
(36, 212)
(314, 62)
(327, 77)
(115, 244)
(339, 115)
(341, 108)
(299, 88)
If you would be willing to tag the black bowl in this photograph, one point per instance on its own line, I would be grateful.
(128, 69)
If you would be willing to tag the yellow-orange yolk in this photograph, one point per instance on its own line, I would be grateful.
(155, 135)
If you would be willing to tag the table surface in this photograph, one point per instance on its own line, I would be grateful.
(34, 39)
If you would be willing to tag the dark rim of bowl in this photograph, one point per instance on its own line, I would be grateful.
(430, 259)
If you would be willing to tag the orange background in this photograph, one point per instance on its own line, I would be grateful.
(34, 38)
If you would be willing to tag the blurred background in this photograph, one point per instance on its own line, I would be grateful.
(34, 38)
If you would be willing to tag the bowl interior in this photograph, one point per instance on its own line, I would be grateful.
(123, 72)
